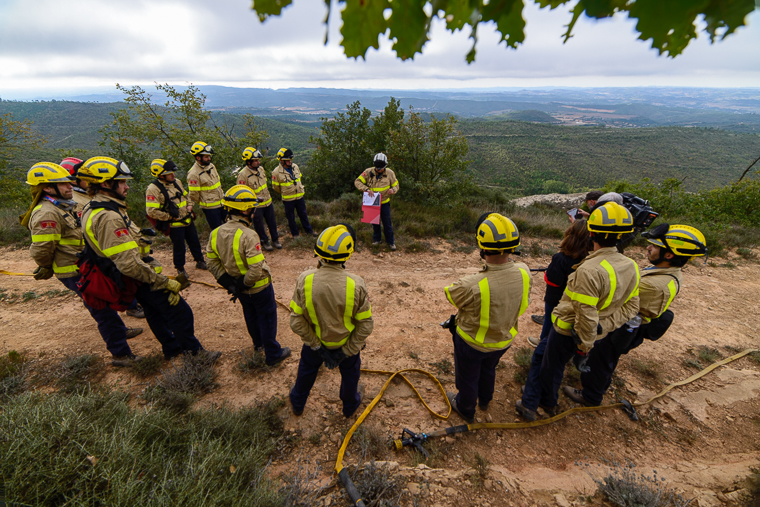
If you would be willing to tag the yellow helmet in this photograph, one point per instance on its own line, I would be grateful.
(252, 154)
(497, 232)
(683, 240)
(100, 169)
(336, 243)
(240, 197)
(201, 148)
(160, 167)
(285, 154)
(610, 218)
(43, 173)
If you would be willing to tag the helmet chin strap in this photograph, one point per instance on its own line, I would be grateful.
(661, 257)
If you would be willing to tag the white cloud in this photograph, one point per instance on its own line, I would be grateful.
(81, 43)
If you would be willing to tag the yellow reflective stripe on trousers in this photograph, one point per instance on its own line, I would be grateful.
(41, 238)
(448, 295)
(64, 269)
(560, 323)
(236, 252)
(310, 306)
(485, 308)
(348, 312)
(209, 204)
(635, 291)
(673, 292)
(613, 282)
(581, 298)
(71, 242)
(296, 309)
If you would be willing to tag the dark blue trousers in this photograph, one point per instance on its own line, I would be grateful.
(558, 351)
(179, 235)
(475, 373)
(215, 217)
(110, 325)
(308, 368)
(293, 207)
(260, 215)
(603, 359)
(532, 394)
(173, 326)
(548, 309)
(260, 312)
(385, 219)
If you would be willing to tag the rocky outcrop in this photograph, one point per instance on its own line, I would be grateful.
(560, 200)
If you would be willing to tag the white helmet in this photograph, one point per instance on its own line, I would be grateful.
(381, 160)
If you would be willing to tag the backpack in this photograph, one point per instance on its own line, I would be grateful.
(162, 226)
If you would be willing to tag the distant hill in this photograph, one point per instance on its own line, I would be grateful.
(531, 115)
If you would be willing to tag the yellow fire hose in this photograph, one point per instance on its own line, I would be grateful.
(417, 439)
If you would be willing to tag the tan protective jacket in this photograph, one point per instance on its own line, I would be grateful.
(56, 239)
(234, 248)
(204, 186)
(330, 308)
(154, 203)
(291, 188)
(604, 289)
(369, 180)
(658, 289)
(82, 199)
(256, 180)
(112, 235)
(490, 303)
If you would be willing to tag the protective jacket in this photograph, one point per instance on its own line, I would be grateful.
(604, 290)
(256, 180)
(155, 203)
(288, 182)
(81, 199)
(370, 180)
(204, 186)
(659, 287)
(56, 238)
(490, 303)
(111, 234)
(330, 308)
(234, 248)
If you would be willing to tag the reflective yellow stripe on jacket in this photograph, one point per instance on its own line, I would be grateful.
(204, 189)
(347, 313)
(239, 261)
(673, 291)
(65, 269)
(108, 252)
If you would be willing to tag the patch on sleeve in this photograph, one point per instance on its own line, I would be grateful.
(258, 246)
(121, 232)
(192, 182)
(48, 224)
(150, 197)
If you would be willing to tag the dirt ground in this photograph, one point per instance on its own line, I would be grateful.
(702, 438)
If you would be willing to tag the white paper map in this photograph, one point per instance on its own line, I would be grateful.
(371, 201)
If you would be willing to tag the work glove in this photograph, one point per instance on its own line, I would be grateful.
(338, 355)
(228, 282)
(579, 360)
(173, 286)
(327, 358)
(174, 298)
(147, 232)
(240, 284)
(42, 273)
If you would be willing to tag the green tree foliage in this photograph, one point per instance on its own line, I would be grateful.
(669, 25)
(145, 130)
(15, 138)
(429, 158)
(346, 145)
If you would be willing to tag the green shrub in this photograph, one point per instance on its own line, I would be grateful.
(556, 187)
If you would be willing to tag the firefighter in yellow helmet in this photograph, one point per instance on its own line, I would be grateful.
(253, 176)
(670, 248)
(237, 262)
(489, 304)
(56, 241)
(331, 313)
(382, 180)
(169, 210)
(112, 247)
(601, 296)
(204, 186)
(286, 180)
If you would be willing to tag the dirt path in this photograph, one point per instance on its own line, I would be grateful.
(702, 438)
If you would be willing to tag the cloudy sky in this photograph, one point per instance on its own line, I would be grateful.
(56, 47)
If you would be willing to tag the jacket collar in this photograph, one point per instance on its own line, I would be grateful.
(106, 198)
(653, 271)
(323, 264)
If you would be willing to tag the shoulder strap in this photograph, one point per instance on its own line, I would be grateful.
(678, 284)
(163, 190)
(111, 206)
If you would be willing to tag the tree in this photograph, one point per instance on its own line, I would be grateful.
(429, 158)
(346, 145)
(669, 24)
(16, 136)
(145, 130)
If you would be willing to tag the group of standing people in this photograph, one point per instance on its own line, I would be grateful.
(598, 304)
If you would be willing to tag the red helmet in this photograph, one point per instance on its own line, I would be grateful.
(69, 163)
